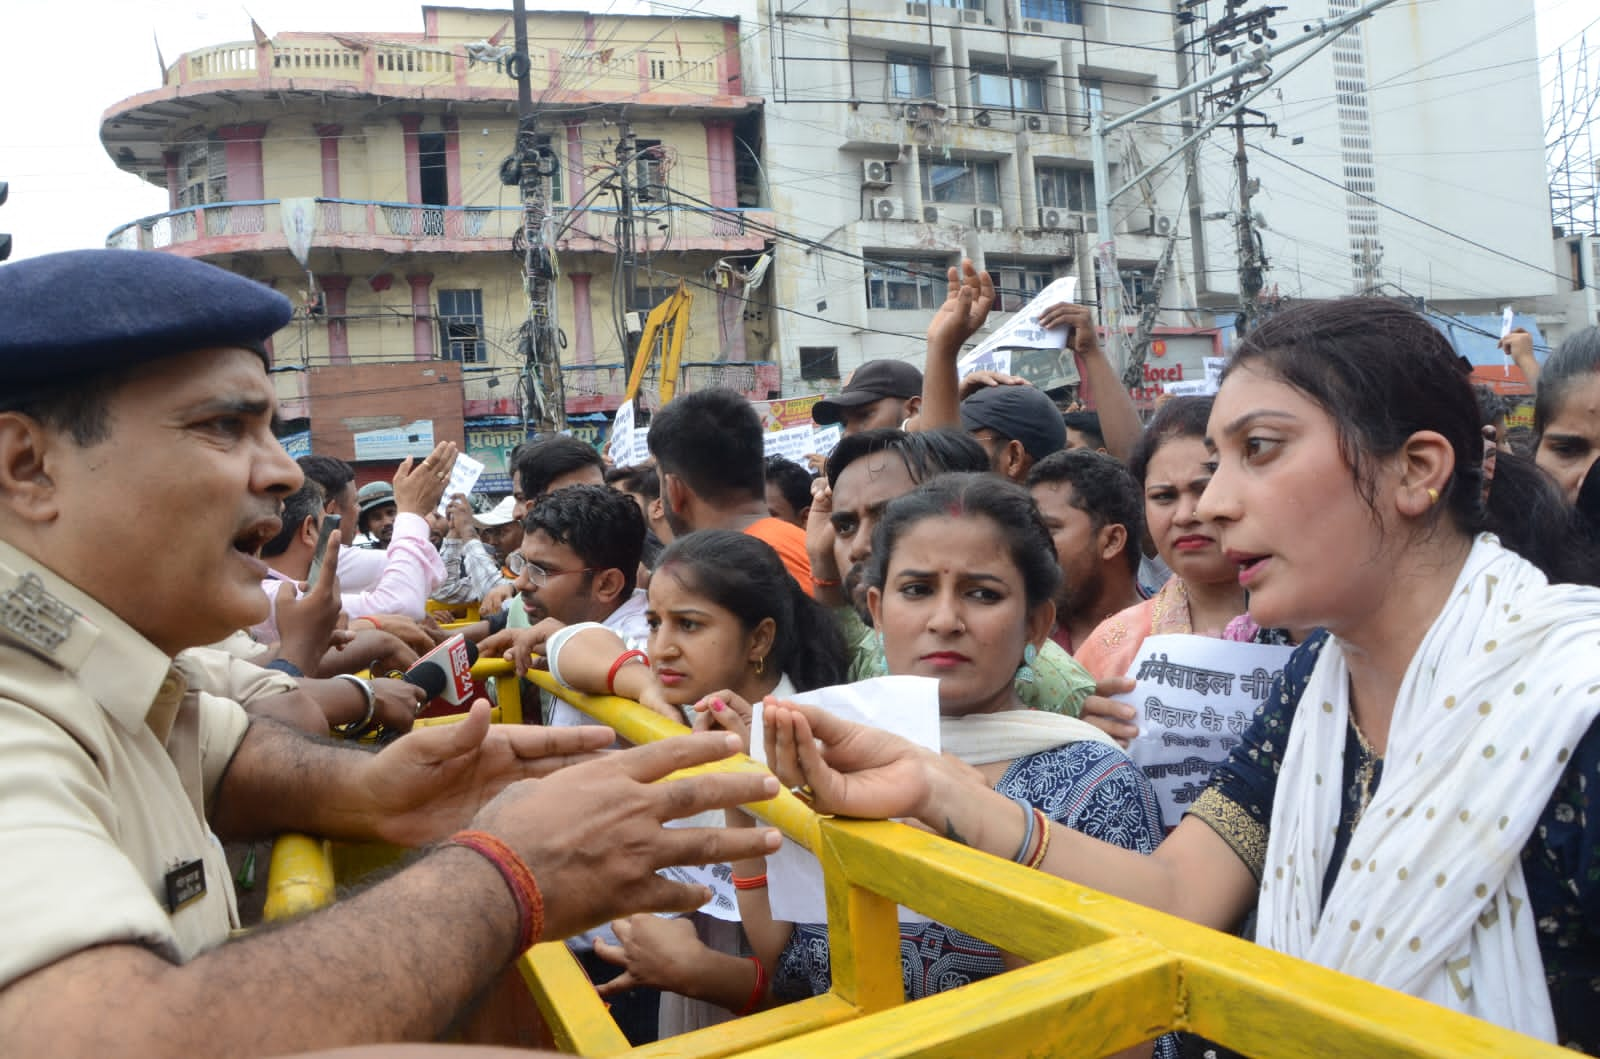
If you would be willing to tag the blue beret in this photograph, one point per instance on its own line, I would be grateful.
(82, 312)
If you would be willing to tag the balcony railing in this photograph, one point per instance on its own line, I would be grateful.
(350, 223)
(599, 387)
(401, 68)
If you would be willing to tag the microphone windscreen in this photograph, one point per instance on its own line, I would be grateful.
(429, 676)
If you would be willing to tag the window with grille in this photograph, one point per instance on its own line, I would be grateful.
(648, 170)
(1064, 188)
(1013, 89)
(1016, 282)
(819, 362)
(961, 182)
(905, 282)
(461, 326)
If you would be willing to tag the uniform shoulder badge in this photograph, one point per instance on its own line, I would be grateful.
(28, 612)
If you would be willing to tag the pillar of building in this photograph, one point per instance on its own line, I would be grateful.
(335, 307)
(411, 127)
(730, 321)
(241, 146)
(421, 315)
(582, 319)
(720, 163)
(174, 178)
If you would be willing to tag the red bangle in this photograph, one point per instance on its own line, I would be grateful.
(822, 582)
(758, 992)
(518, 878)
(1043, 824)
(376, 624)
(753, 882)
(623, 659)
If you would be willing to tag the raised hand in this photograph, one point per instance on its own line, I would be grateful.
(419, 487)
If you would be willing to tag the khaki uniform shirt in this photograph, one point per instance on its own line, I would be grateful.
(108, 762)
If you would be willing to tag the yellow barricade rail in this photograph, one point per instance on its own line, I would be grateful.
(1106, 974)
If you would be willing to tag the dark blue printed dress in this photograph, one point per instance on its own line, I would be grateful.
(1559, 862)
(1088, 786)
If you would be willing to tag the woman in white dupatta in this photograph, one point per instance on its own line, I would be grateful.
(1439, 736)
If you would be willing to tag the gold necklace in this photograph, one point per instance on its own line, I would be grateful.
(1364, 772)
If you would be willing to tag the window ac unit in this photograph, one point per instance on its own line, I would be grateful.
(982, 119)
(884, 209)
(932, 214)
(875, 174)
(985, 217)
(972, 17)
(917, 10)
(911, 111)
(1032, 25)
(1034, 122)
(1052, 219)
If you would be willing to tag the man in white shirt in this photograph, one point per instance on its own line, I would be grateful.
(475, 548)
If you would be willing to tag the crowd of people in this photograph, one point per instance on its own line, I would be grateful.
(170, 694)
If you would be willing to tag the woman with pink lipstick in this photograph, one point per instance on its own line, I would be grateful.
(962, 590)
(1203, 594)
(1412, 803)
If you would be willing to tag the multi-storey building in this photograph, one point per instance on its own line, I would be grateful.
(362, 175)
(901, 136)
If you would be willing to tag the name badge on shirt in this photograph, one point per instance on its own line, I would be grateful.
(185, 884)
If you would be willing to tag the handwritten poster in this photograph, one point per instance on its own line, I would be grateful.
(796, 443)
(621, 448)
(1022, 331)
(1195, 697)
(463, 476)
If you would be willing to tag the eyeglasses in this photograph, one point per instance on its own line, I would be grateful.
(537, 575)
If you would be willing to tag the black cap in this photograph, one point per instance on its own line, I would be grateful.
(86, 311)
(1017, 413)
(873, 381)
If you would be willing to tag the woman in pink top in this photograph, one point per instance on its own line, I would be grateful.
(1204, 594)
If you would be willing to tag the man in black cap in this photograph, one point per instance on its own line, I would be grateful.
(1016, 425)
(881, 393)
(158, 405)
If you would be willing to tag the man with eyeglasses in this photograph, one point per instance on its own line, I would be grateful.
(579, 562)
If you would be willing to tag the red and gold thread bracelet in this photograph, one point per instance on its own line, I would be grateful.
(750, 882)
(518, 878)
(760, 990)
(623, 659)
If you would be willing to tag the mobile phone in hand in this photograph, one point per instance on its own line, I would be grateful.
(329, 524)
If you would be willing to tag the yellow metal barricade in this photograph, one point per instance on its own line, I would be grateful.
(1106, 974)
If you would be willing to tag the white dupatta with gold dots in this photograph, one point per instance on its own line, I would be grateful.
(1430, 899)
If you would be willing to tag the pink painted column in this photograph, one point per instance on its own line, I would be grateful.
(242, 149)
(174, 178)
(411, 125)
(335, 306)
(728, 61)
(719, 163)
(421, 316)
(452, 171)
(574, 183)
(582, 319)
(329, 135)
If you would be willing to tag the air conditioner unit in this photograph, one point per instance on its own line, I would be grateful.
(982, 119)
(884, 209)
(1052, 219)
(932, 214)
(911, 111)
(1141, 223)
(917, 10)
(986, 217)
(1034, 122)
(971, 17)
(1032, 25)
(1164, 225)
(875, 174)
(1086, 222)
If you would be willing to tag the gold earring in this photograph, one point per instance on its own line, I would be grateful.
(761, 666)
(1433, 496)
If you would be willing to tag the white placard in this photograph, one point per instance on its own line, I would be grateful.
(1508, 320)
(1189, 388)
(823, 439)
(1022, 331)
(1195, 697)
(621, 446)
(906, 706)
(641, 445)
(724, 903)
(463, 476)
(1213, 367)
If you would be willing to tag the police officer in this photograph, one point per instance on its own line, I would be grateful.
(138, 474)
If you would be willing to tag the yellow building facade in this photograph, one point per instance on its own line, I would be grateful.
(373, 179)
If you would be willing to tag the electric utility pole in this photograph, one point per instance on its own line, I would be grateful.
(1262, 50)
(545, 404)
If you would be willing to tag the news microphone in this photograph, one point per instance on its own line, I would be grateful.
(434, 678)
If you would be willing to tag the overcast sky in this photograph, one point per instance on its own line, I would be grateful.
(62, 65)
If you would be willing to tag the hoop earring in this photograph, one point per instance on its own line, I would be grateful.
(761, 666)
(1025, 672)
